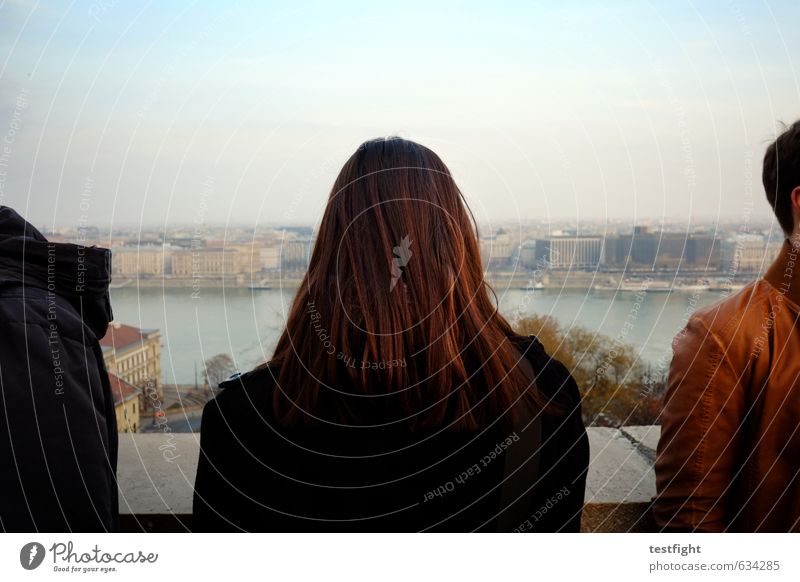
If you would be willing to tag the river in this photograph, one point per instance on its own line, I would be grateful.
(246, 323)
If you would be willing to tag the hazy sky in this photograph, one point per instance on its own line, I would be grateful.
(125, 112)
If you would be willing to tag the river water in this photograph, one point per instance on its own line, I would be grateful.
(246, 323)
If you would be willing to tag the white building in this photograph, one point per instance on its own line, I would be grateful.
(572, 252)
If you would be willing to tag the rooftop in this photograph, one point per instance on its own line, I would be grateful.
(119, 336)
(122, 390)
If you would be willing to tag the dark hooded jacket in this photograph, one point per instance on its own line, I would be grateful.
(58, 439)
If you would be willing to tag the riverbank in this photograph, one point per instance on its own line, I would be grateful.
(633, 282)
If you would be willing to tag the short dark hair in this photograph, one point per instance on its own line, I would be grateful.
(781, 174)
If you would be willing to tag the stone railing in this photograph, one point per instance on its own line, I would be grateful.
(156, 473)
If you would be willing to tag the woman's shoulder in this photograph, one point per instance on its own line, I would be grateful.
(553, 379)
(244, 394)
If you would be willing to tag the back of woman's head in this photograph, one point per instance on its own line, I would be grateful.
(393, 322)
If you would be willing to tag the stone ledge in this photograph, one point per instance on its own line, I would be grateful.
(621, 465)
(156, 475)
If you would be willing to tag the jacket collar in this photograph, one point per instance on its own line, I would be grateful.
(784, 273)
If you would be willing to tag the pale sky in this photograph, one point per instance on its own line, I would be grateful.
(243, 112)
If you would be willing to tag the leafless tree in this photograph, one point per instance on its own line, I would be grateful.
(217, 369)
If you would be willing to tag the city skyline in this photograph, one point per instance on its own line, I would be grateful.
(243, 256)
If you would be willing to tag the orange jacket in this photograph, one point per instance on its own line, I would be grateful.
(729, 452)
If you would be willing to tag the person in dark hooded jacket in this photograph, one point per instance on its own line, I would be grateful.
(58, 435)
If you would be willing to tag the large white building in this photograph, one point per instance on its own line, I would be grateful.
(571, 252)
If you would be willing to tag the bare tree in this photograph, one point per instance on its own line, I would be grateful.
(217, 369)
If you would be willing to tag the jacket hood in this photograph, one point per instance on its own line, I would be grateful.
(77, 273)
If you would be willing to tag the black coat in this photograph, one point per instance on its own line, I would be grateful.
(254, 476)
(58, 435)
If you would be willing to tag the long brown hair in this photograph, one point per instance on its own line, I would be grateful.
(393, 321)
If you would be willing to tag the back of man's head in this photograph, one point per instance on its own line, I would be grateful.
(781, 175)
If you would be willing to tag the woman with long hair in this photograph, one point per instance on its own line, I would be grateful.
(398, 398)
